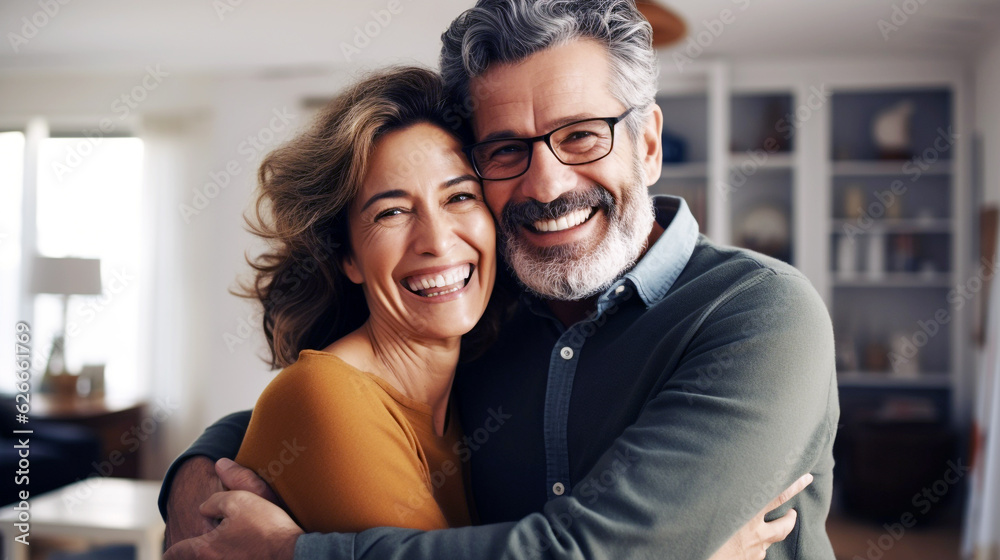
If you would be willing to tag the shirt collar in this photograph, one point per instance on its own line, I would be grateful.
(663, 262)
(660, 266)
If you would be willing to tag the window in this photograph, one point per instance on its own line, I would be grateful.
(11, 180)
(88, 200)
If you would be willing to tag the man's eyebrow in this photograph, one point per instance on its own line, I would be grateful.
(396, 193)
(552, 126)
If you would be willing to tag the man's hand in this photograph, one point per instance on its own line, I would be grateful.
(251, 528)
(194, 483)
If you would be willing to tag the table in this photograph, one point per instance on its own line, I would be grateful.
(113, 420)
(98, 510)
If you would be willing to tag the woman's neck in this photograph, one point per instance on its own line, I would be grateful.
(423, 370)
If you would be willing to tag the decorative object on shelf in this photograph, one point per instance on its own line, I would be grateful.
(876, 255)
(91, 383)
(846, 353)
(66, 277)
(847, 257)
(904, 257)
(674, 148)
(891, 130)
(854, 202)
(905, 359)
(876, 357)
(765, 229)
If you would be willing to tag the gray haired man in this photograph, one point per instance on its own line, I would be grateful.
(655, 389)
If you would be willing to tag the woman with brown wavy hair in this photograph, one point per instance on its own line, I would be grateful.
(382, 257)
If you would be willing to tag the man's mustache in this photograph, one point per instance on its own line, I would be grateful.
(516, 214)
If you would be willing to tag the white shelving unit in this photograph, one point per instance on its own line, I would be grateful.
(716, 105)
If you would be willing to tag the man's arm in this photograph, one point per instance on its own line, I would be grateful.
(191, 478)
(752, 406)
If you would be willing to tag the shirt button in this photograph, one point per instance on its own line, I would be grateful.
(558, 489)
(566, 353)
(620, 289)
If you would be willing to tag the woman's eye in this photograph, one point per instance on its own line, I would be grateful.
(389, 213)
(462, 197)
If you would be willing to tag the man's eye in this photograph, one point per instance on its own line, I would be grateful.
(578, 135)
(506, 150)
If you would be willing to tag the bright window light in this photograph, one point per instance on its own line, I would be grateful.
(11, 185)
(89, 205)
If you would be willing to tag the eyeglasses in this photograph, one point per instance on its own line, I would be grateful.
(575, 143)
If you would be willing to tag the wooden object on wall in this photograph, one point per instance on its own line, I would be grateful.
(988, 225)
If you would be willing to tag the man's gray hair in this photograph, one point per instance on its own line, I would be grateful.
(507, 31)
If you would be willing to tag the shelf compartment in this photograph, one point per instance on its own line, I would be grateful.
(929, 380)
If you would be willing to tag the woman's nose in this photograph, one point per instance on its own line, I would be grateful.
(434, 235)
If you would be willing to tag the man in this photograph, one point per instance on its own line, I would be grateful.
(653, 390)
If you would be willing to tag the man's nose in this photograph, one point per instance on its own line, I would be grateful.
(546, 178)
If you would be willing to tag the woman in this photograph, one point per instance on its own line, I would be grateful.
(383, 257)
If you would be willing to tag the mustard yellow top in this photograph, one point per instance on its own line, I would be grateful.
(347, 452)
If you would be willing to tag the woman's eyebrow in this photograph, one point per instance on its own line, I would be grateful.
(397, 193)
(459, 180)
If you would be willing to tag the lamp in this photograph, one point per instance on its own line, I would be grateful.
(668, 27)
(66, 277)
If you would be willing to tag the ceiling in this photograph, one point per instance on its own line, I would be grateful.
(303, 36)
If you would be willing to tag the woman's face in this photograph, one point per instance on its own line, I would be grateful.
(422, 239)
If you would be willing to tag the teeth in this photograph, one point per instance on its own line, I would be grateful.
(566, 221)
(448, 277)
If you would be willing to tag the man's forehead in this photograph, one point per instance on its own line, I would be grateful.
(544, 89)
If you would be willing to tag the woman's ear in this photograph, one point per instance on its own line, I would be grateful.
(351, 269)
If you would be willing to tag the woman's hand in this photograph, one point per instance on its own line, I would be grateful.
(753, 539)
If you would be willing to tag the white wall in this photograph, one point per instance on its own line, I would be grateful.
(193, 127)
(988, 117)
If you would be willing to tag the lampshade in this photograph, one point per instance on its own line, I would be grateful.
(66, 276)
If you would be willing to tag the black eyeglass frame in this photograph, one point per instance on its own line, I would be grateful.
(547, 138)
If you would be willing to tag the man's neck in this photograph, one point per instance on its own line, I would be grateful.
(570, 312)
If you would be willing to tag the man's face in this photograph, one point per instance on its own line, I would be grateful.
(568, 231)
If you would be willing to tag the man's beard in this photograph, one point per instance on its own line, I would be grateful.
(576, 271)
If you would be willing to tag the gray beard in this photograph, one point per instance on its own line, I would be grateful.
(572, 272)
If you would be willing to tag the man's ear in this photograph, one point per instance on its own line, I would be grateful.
(651, 145)
(351, 269)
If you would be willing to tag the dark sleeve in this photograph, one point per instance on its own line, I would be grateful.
(222, 439)
(751, 407)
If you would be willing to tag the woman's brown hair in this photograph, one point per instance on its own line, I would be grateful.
(305, 190)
